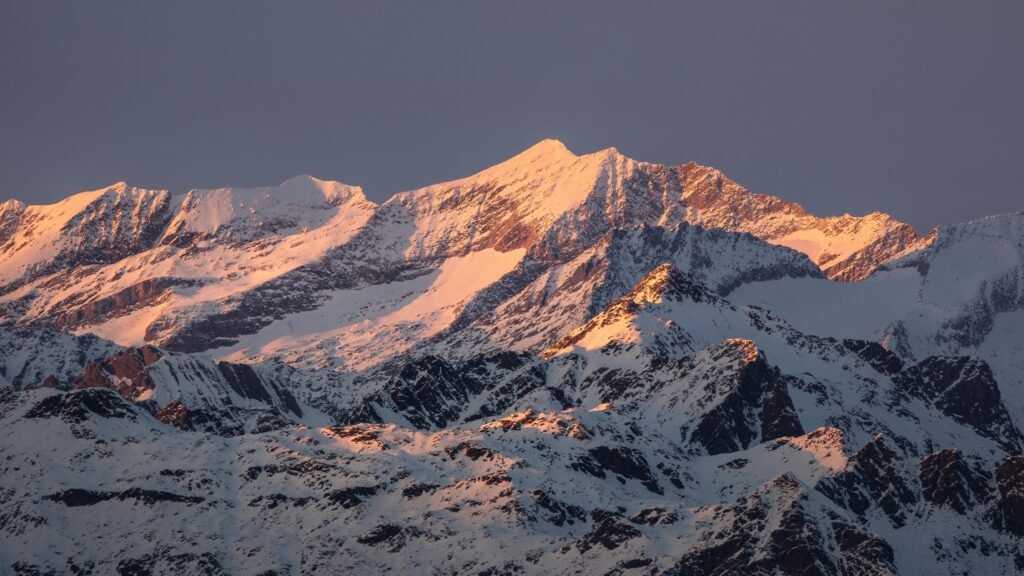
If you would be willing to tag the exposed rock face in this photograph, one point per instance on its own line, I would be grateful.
(753, 403)
(964, 389)
(30, 356)
(949, 479)
(124, 373)
(175, 414)
(560, 424)
(248, 384)
(432, 392)
(11, 212)
(77, 407)
(619, 461)
(776, 531)
(176, 391)
(120, 303)
(862, 552)
(873, 479)
(609, 533)
(77, 497)
(121, 222)
(876, 355)
(190, 393)
(1009, 511)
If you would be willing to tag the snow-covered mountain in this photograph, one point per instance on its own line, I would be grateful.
(561, 364)
(226, 268)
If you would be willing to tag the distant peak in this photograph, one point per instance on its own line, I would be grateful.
(107, 193)
(304, 179)
(549, 146)
(11, 205)
(548, 150)
(332, 190)
(300, 179)
(123, 187)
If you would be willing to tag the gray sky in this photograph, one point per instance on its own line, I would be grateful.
(913, 108)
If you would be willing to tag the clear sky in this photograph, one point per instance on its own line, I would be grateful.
(913, 108)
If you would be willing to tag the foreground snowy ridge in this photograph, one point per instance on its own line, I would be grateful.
(562, 364)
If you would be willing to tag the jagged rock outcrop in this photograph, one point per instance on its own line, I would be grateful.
(742, 399)
(124, 373)
(776, 530)
(432, 392)
(79, 406)
(964, 389)
(950, 479)
(621, 462)
(873, 479)
(1009, 509)
(881, 359)
(30, 357)
(191, 393)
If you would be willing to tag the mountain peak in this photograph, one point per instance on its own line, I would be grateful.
(745, 347)
(548, 146)
(547, 152)
(331, 190)
(666, 282)
(551, 154)
(556, 149)
(300, 180)
(12, 205)
(544, 153)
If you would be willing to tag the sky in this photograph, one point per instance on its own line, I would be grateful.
(912, 108)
